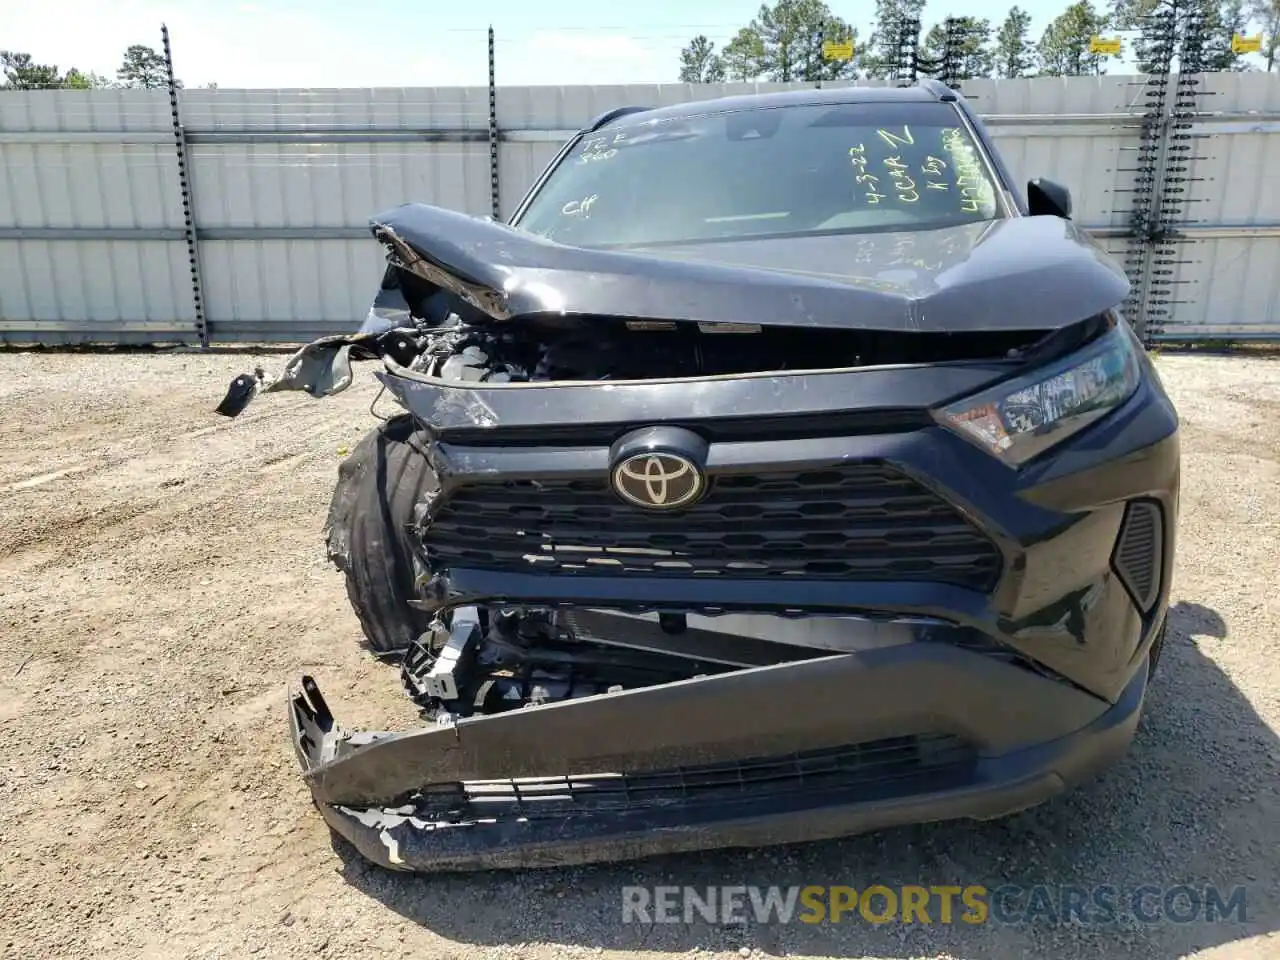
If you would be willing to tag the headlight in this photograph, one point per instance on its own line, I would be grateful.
(1020, 418)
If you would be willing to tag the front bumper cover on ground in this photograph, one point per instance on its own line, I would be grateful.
(801, 751)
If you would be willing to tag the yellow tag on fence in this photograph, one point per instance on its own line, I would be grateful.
(832, 50)
(1241, 44)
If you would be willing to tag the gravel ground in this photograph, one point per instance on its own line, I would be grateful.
(163, 579)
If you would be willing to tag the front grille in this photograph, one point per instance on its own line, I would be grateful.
(863, 521)
(876, 770)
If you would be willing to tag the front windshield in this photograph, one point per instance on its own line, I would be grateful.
(793, 171)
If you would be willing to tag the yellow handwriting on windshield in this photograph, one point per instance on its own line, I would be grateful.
(902, 182)
(973, 186)
(934, 167)
(858, 158)
(896, 140)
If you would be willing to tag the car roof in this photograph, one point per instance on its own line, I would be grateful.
(922, 93)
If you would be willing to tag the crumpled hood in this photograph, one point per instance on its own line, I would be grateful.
(1020, 273)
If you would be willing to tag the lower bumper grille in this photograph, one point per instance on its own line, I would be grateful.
(1138, 552)
(862, 521)
(880, 769)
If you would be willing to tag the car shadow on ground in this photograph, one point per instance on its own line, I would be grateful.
(1193, 804)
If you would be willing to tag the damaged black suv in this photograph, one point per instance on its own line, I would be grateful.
(780, 471)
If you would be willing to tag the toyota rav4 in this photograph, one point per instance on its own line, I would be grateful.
(781, 470)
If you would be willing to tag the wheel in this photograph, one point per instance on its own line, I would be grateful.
(367, 531)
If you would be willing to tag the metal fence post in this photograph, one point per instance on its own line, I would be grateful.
(1155, 47)
(1174, 28)
(184, 184)
(1171, 243)
(494, 197)
(903, 43)
(822, 53)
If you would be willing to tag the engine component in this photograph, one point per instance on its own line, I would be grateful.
(455, 648)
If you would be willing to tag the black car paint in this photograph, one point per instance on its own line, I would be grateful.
(953, 279)
(363, 784)
(488, 410)
(1059, 602)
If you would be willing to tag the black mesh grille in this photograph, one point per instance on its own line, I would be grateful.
(1138, 552)
(880, 769)
(859, 522)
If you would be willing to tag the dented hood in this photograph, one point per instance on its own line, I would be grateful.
(1020, 273)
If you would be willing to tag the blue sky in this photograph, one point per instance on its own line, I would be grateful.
(318, 43)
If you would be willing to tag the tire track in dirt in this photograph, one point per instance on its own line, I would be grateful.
(134, 488)
(96, 430)
(41, 479)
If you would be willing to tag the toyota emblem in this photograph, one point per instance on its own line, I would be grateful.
(658, 481)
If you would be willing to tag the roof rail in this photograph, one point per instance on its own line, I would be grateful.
(938, 89)
(611, 115)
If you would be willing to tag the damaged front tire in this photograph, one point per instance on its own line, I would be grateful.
(367, 531)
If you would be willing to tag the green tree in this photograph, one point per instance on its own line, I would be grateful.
(784, 42)
(1222, 19)
(1130, 15)
(890, 14)
(1266, 14)
(78, 80)
(1222, 22)
(699, 62)
(973, 52)
(1014, 55)
(143, 67)
(21, 74)
(744, 56)
(1064, 47)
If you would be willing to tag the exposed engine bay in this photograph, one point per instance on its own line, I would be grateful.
(439, 335)
(550, 347)
(457, 341)
(642, 350)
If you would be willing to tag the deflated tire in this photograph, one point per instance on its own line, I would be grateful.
(368, 531)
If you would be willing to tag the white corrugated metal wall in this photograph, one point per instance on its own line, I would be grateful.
(1227, 271)
(92, 242)
(91, 225)
(284, 184)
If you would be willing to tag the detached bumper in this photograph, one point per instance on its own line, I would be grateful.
(781, 754)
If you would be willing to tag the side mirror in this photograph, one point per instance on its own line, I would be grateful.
(1044, 197)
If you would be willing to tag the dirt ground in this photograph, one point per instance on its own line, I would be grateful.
(162, 578)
